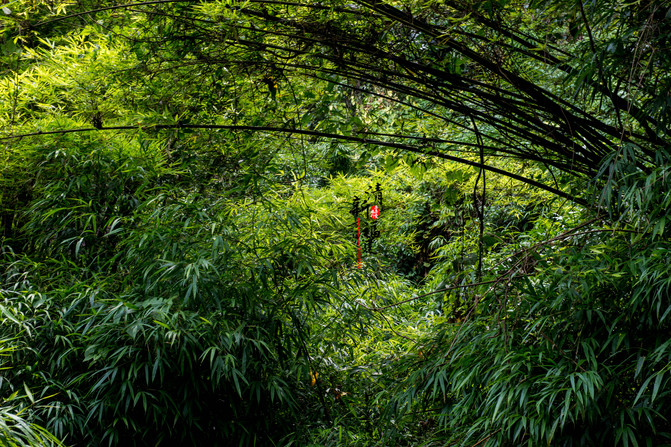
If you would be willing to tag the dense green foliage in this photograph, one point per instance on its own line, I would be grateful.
(179, 261)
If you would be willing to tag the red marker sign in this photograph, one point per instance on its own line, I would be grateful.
(374, 212)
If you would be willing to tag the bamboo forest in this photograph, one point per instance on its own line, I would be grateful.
(335, 223)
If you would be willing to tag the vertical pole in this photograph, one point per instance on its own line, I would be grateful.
(358, 238)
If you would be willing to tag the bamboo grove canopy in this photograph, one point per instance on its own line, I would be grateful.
(555, 82)
(180, 233)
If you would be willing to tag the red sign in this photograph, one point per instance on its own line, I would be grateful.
(374, 211)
